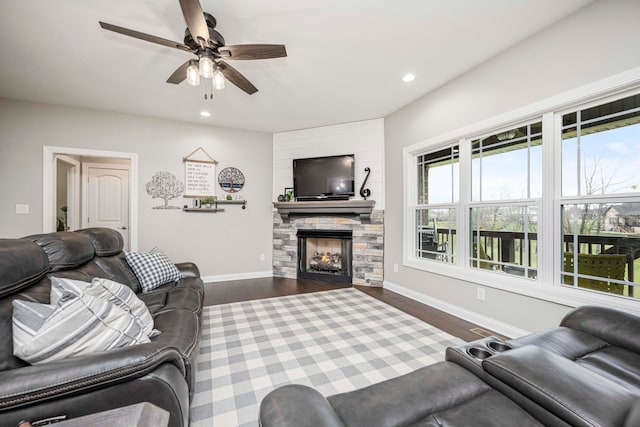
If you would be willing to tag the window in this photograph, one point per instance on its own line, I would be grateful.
(553, 202)
(506, 183)
(435, 213)
(600, 209)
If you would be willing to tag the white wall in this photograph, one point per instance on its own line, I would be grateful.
(365, 139)
(226, 244)
(596, 42)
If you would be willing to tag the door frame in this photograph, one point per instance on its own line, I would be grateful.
(73, 189)
(49, 182)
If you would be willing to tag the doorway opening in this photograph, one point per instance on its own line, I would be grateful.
(67, 184)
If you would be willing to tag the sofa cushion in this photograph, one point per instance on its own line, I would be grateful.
(22, 263)
(566, 342)
(617, 328)
(617, 364)
(152, 269)
(575, 394)
(65, 249)
(108, 290)
(77, 325)
(170, 298)
(106, 241)
(423, 396)
(116, 268)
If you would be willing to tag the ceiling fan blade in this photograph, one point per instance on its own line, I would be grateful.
(143, 36)
(236, 78)
(253, 51)
(194, 17)
(181, 73)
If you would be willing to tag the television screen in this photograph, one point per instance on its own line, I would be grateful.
(324, 177)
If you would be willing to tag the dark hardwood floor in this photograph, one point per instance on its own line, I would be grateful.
(244, 290)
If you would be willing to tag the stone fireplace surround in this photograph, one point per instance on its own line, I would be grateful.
(368, 239)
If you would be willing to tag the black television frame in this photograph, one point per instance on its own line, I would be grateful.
(300, 192)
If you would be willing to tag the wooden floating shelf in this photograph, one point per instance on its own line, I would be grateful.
(207, 210)
(363, 208)
(215, 206)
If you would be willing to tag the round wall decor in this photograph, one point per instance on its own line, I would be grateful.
(231, 180)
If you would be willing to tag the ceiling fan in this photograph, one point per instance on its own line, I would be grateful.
(201, 39)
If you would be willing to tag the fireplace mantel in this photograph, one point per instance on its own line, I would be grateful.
(340, 207)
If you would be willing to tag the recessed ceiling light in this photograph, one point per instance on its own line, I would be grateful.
(408, 77)
(205, 113)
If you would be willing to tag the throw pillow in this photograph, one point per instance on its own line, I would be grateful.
(152, 269)
(76, 326)
(108, 290)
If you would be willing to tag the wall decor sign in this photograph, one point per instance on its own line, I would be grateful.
(231, 180)
(199, 175)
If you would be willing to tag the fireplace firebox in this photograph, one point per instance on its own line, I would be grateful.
(325, 255)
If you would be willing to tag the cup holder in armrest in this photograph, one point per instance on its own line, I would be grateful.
(499, 346)
(479, 353)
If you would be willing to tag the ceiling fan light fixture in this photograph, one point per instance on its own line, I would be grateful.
(193, 74)
(206, 66)
(218, 79)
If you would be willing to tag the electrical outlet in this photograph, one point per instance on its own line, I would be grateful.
(480, 294)
(395, 268)
(262, 257)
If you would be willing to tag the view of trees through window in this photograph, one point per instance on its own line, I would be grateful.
(506, 174)
(438, 190)
(600, 205)
(598, 199)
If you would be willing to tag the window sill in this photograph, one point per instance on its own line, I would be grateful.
(531, 288)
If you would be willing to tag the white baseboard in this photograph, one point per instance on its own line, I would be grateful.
(470, 316)
(237, 276)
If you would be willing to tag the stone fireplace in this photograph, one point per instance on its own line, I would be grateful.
(325, 255)
(367, 238)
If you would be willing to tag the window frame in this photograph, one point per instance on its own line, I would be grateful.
(470, 203)
(452, 204)
(547, 285)
(578, 199)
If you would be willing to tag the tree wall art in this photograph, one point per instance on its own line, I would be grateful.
(165, 186)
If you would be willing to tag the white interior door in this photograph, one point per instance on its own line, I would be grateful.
(106, 197)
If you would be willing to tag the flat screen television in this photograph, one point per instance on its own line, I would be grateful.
(322, 178)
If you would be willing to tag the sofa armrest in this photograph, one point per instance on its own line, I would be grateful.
(188, 269)
(297, 405)
(41, 382)
(613, 326)
(573, 393)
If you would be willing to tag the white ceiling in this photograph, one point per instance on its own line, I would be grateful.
(345, 58)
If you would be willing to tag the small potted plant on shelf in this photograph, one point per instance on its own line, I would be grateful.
(207, 202)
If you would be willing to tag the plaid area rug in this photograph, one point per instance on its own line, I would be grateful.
(335, 341)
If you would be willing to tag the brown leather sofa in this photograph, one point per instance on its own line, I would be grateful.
(586, 372)
(161, 372)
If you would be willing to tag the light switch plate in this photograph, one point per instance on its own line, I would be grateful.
(22, 209)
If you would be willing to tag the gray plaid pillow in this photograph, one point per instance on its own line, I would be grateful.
(152, 269)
